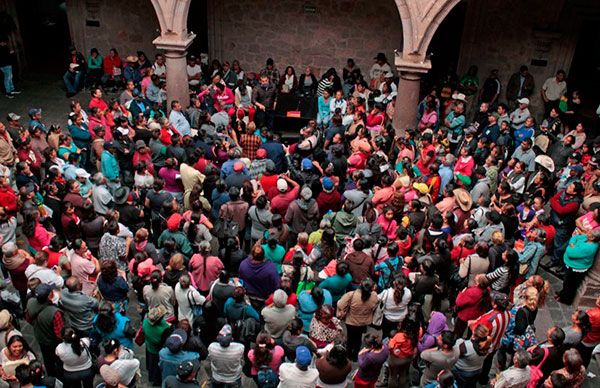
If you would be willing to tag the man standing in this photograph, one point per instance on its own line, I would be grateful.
(47, 321)
(552, 90)
(490, 91)
(519, 86)
(6, 68)
(7, 150)
(226, 359)
(271, 71)
(79, 307)
(178, 120)
(264, 98)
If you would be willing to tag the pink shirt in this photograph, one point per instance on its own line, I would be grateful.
(428, 120)
(387, 227)
(83, 268)
(464, 166)
(277, 353)
(172, 185)
(588, 221)
(41, 238)
(203, 279)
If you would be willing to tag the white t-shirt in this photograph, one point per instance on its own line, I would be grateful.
(554, 90)
(192, 71)
(159, 70)
(71, 361)
(184, 298)
(392, 311)
(292, 377)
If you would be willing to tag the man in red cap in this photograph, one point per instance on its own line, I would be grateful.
(174, 223)
(238, 177)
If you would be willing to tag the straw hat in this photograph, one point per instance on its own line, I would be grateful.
(463, 198)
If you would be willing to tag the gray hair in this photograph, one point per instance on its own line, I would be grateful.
(522, 358)
(98, 178)
(325, 224)
(9, 249)
(596, 235)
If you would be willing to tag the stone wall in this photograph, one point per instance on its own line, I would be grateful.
(128, 26)
(496, 37)
(287, 31)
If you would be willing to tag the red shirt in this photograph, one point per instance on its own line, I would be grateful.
(424, 167)
(268, 183)
(98, 103)
(8, 200)
(281, 201)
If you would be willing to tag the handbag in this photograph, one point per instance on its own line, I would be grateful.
(527, 339)
(459, 282)
(304, 284)
(378, 313)
(140, 337)
(93, 358)
(535, 371)
(196, 308)
(524, 267)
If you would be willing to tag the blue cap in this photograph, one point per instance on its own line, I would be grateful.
(306, 164)
(578, 168)
(327, 184)
(303, 356)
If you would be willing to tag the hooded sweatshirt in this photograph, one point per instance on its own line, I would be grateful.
(302, 215)
(361, 266)
(260, 278)
(343, 223)
(437, 324)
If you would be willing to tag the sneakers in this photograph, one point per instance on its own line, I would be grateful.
(16, 92)
(10, 95)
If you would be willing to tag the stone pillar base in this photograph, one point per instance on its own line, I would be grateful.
(409, 87)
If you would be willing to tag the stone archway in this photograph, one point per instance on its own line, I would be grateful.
(420, 20)
(174, 40)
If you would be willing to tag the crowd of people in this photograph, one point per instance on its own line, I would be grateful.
(348, 255)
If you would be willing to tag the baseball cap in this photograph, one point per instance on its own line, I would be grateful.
(42, 292)
(575, 155)
(225, 337)
(81, 173)
(578, 168)
(176, 340)
(306, 193)
(238, 167)
(523, 100)
(14, 116)
(306, 164)
(34, 111)
(139, 144)
(187, 368)
(327, 184)
(303, 356)
(282, 185)
(261, 153)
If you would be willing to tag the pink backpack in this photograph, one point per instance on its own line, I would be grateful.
(536, 373)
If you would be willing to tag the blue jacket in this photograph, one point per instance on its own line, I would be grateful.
(307, 306)
(531, 255)
(521, 134)
(170, 361)
(118, 331)
(81, 137)
(110, 166)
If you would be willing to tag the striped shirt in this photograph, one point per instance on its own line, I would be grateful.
(496, 322)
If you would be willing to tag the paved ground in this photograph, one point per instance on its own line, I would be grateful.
(46, 92)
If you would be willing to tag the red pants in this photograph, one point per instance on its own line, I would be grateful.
(241, 112)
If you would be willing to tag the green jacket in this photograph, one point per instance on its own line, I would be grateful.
(155, 335)
(580, 253)
(183, 244)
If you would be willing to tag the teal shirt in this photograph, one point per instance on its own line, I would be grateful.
(580, 253)
(385, 275)
(274, 255)
(336, 285)
(110, 166)
(95, 64)
(183, 244)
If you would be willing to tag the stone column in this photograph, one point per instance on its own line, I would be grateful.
(175, 53)
(409, 87)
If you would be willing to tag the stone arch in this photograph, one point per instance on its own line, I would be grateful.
(420, 20)
(172, 16)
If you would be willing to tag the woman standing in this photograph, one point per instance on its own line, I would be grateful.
(472, 354)
(370, 360)
(205, 268)
(265, 355)
(76, 358)
(334, 368)
(356, 310)
(16, 352)
(324, 327)
(158, 293)
(112, 285)
(471, 303)
(403, 347)
(155, 331)
(395, 305)
(110, 325)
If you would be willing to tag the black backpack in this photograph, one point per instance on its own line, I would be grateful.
(244, 329)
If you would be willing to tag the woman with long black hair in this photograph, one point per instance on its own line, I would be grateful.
(356, 309)
(76, 358)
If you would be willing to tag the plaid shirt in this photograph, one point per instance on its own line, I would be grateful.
(257, 168)
(250, 143)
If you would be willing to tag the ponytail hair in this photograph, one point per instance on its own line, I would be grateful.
(366, 288)
(70, 337)
(155, 279)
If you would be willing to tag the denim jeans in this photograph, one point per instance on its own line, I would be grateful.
(73, 81)
(8, 79)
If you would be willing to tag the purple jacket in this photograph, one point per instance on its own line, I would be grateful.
(260, 280)
(437, 324)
